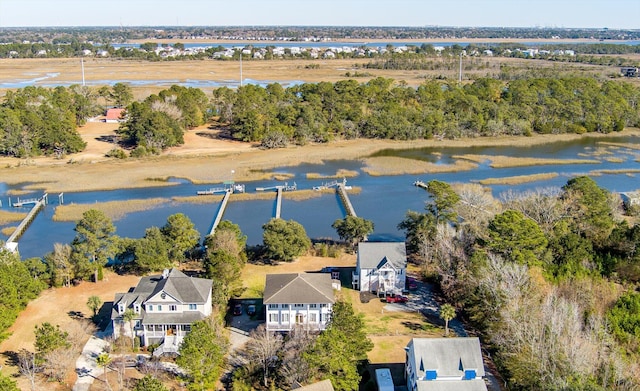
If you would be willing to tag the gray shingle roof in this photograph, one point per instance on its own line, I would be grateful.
(371, 255)
(452, 385)
(185, 289)
(449, 356)
(298, 288)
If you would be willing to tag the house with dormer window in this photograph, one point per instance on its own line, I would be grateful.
(298, 299)
(381, 267)
(442, 364)
(165, 306)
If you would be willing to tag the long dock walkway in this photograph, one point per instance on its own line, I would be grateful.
(279, 203)
(223, 206)
(341, 189)
(37, 205)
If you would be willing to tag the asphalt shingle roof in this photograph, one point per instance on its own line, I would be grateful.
(298, 288)
(449, 356)
(371, 255)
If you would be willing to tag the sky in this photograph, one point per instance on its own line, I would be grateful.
(614, 14)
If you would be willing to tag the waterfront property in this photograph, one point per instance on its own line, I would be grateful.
(164, 308)
(444, 364)
(304, 299)
(381, 267)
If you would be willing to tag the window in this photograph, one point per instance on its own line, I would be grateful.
(273, 306)
(285, 317)
(173, 307)
(136, 308)
(137, 325)
(273, 318)
(159, 307)
(149, 308)
(323, 317)
(312, 317)
(149, 327)
(121, 308)
(193, 307)
(285, 306)
(298, 305)
(323, 306)
(313, 305)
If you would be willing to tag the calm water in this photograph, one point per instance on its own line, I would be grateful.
(384, 200)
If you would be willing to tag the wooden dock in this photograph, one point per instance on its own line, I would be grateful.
(278, 203)
(342, 191)
(37, 205)
(223, 206)
(285, 187)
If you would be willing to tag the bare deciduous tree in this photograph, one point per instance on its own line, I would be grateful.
(263, 347)
(27, 366)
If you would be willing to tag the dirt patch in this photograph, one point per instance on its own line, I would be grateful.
(60, 306)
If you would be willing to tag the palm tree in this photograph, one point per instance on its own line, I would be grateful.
(94, 303)
(128, 316)
(103, 361)
(447, 312)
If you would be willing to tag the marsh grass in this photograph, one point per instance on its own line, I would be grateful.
(115, 210)
(620, 145)
(8, 217)
(614, 159)
(341, 173)
(509, 161)
(7, 231)
(391, 165)
(199, 199)
(613, 172)
(515, 180)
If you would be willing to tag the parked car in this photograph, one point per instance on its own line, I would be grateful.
(237, 309)
(396, 299)
(251, 310)
(411, 284)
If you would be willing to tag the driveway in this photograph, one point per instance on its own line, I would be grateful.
(86, 366)
(423, 300)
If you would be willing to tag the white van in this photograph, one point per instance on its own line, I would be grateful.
(384, 380)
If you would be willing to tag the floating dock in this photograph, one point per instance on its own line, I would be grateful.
(420, 184)
(228, 186)
(223, 206)
(285, 187)
(342, 191)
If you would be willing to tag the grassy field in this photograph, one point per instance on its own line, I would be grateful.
(497, 161)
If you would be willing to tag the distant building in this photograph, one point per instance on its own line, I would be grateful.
(114, 115)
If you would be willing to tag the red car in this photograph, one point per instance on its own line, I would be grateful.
(396, 299)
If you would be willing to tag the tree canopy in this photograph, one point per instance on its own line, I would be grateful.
(285, 240)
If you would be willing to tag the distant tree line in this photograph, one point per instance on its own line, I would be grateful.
(380, 108)
(68, 35)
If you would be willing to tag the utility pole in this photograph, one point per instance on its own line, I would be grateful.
(240, 68)
(82, 65)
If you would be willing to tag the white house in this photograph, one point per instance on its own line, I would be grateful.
(442, 364)
(165, 306)
(381, 267)
(298, 299)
